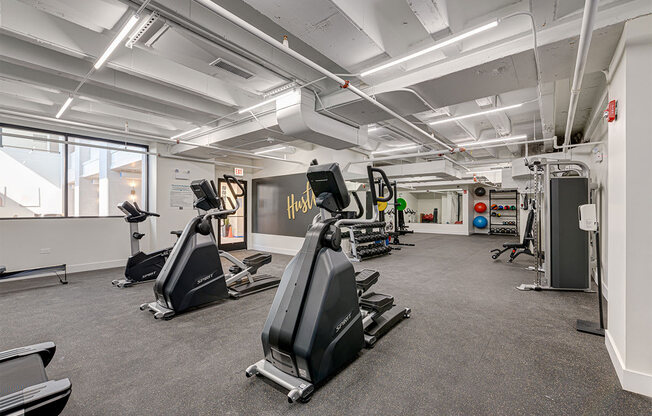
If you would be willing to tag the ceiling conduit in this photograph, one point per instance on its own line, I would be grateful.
(343, 83)
(297, 117)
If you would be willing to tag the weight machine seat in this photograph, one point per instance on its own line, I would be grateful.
(523, 246)
(366, 278)
(376, 302)
(24, 384)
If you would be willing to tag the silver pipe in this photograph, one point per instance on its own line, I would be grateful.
(442, 153)
(343, 83)
(586, 32)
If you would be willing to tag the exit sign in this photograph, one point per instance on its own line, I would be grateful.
(238, 171)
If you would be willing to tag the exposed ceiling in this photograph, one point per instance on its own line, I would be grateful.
(191, 68)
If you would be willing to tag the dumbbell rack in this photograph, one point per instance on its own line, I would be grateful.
(368, 240)
(503, 197)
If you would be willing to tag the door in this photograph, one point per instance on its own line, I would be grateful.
(232, 233)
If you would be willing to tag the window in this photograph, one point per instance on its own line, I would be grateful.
(45, 174)
(31, 174)
(101, 178)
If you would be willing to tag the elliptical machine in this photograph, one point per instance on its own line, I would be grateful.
(141, 267)
(322, 314)
(193, 275)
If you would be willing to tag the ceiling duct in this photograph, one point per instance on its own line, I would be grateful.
(297, 117)
(225, 65)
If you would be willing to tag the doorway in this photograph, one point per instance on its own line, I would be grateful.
(232, 233)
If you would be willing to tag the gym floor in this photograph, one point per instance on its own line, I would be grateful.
(474, 345)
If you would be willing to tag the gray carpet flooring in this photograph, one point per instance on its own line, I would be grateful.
(474, 345)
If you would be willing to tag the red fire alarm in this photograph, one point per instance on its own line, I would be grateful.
(612, 111)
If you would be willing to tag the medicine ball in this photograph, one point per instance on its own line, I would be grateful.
(480, 207)
(480, 191)
(480, 222)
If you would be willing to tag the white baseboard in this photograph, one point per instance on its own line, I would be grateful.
(630, 380)
(274, 250)
(100, 265)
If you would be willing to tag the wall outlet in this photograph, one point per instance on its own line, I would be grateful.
(45, 251)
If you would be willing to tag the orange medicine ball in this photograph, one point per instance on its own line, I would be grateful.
(480, 207)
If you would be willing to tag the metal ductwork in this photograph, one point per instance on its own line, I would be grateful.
(296, 117)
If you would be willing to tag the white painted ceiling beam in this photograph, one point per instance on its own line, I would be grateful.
(609, 14)
(24, 21)
(237, 39)
(49, 98)
(34, 64)
(433, 14)
(33, 108)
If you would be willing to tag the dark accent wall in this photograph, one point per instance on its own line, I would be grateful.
(283, 205)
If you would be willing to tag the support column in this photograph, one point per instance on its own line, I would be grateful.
(629, 328)
(104, 189)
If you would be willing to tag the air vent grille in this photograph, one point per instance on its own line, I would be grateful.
(228, 66)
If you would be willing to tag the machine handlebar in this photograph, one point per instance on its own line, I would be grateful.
(232, 179)
(385, 182)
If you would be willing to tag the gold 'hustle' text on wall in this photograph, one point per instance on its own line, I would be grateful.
(303, 204)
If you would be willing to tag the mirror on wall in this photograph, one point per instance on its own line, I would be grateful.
(434, 206)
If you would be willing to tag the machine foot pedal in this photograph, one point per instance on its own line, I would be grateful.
(366, 278)
(256, 261)
(383, 323)
(260, 283)
(376, 302)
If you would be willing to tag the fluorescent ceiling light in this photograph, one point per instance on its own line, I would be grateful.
(498, 140)
(185, 133)
(64, 107)
(439, 45)
(271, 100)
(116, 41)
(274, 149)
(136, 33)
(480, 113)
(397, 149)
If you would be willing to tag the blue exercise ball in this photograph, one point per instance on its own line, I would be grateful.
(480, 222)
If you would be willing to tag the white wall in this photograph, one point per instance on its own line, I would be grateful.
(629, 332)
(81, 243)
(162, 177)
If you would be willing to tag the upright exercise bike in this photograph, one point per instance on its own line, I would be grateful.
(141, 267)
(322, 314)
(193, 275)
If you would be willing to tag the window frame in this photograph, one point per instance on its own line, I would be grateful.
(64, 193)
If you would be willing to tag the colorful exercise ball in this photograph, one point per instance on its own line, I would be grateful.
(480, 222)
(480, 207)
(480, 191)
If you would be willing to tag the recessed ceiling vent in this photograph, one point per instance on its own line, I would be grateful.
(228, 66)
